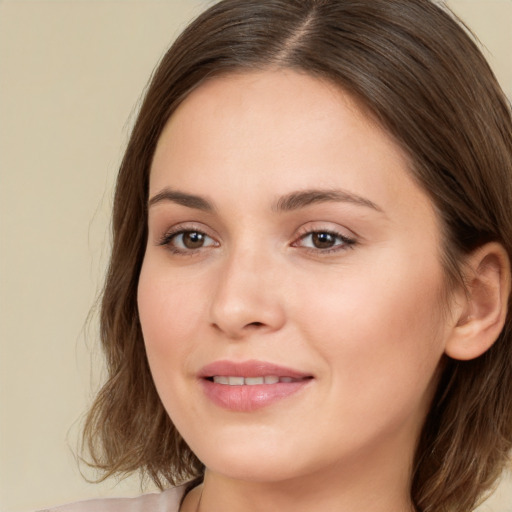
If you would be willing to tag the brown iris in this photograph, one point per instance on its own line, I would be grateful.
(193, 239)
(323, 240)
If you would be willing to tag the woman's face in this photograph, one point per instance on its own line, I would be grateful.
(290, 295)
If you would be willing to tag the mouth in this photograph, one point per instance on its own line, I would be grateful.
(252, 381)
(250, 385)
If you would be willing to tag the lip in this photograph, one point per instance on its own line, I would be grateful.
(246, 398)
(252, 368)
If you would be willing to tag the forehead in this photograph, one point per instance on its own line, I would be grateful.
(272, 130)
(268, 99)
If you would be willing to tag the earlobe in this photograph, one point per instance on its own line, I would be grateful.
(482, 317)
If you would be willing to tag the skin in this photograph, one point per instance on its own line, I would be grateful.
(364, 319)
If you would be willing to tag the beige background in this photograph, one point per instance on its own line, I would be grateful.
(71, 73)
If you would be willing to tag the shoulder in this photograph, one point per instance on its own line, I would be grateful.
(166, 501)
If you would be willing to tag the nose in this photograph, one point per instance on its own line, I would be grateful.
(247, 295)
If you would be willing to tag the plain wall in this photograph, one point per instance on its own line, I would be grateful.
(71, 73)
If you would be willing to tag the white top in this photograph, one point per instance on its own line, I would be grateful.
(166, 501)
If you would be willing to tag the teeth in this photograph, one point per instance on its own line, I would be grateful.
(251, 381)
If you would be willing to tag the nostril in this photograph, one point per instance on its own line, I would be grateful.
(255, 324)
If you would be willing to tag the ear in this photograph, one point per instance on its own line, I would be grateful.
(481, 311)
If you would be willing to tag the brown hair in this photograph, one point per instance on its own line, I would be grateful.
(417, 70)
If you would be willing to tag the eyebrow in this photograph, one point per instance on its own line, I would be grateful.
(287, 203)
(301, 199)
(181, 198)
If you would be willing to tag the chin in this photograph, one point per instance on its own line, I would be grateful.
(250, 457)
(258, 468)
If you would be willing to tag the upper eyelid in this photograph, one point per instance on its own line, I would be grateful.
(326, 227)
(188, 226)
(181, 228)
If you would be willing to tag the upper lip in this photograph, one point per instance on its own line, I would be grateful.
(252, 368)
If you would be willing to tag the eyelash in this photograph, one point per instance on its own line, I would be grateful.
(168, 237)
(344, 242)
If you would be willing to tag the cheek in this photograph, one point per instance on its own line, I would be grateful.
(381, 331)
(169, 310)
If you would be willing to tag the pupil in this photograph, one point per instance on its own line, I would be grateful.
(323, 240)
(193, 240)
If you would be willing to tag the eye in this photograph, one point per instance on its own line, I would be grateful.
(324, 241)
(187, 240)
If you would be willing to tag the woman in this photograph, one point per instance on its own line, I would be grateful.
(307, 301)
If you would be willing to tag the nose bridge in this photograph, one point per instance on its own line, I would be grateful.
(246, 295)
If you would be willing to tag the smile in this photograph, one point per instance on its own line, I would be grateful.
(251, 381)
(246, 386)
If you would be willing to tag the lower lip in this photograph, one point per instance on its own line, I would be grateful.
(250, 398)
